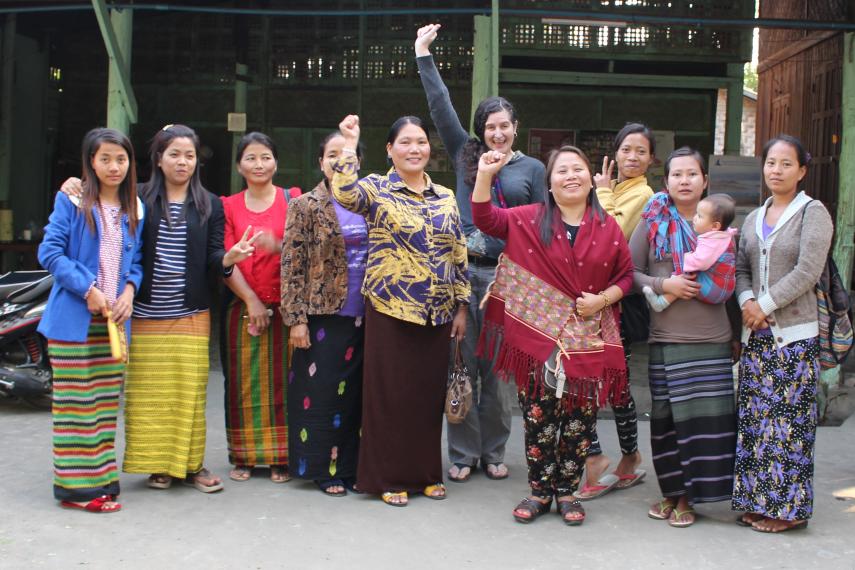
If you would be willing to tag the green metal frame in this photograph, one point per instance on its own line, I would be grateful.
(122, 105)
(844, 245)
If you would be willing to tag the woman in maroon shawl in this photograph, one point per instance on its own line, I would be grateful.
(552, 320)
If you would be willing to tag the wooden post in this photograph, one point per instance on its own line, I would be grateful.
(485, 59)
(241, 71)
(844, 245)
(117, 116)
(733, 122)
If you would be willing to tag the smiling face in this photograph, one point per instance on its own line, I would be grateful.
(110, 163)
(686, 181)
(178, 161)
(633, 157)
(570, 179)
(410, 151)
(500, 131)
(781, 170)
(257, 164)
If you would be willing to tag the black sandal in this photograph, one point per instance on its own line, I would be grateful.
(534, 507)
(573, 506)
(327, 484)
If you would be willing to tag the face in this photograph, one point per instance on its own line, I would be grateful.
(686, 181)
(781, 171)
(410, 150)
(110, 163)
(500, 131)
(704, 220)
(257, 164)
(633, 156)
(332, 151)
(178, 161)
(570, 180)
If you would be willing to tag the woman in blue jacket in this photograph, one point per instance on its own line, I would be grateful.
(92, 248)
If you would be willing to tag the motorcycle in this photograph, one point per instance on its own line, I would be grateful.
(25, 371)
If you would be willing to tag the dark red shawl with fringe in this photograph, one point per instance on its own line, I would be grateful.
(533, 300)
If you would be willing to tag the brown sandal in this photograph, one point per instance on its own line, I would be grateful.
(533, 507)
(573, 506)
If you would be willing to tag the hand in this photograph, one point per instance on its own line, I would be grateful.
(349, 127)
(458, 325)
(72, 187)
(96, 302)
(589, 304)
(753, 317)
(604, 178)
(492, 161)
(425, 37)
(258, 316)
(242, 249)
(123, 308)
(681, 286)
(299, 336)
(265, 240)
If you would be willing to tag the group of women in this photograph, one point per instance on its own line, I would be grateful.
(531, 270)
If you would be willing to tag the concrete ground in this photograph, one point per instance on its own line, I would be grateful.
(260, 525)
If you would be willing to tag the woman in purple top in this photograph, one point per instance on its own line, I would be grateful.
(323, 265)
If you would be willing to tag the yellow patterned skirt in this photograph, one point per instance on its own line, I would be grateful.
(165, 395)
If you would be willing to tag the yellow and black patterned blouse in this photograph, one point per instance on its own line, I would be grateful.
(416, 269)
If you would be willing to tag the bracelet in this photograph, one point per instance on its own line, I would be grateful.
(606, 297)
(89, 291)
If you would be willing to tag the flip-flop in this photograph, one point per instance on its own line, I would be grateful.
(97, 506)
(491, 474)
(279, 474)
(676, 515)
(328, 484)
(430, 489)
(604, 485)
(158, 481)
(461, 467)
(389, 495)
(192, 480)
(630, 479)
(240, 473)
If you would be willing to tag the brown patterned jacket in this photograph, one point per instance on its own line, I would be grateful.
(314, 265)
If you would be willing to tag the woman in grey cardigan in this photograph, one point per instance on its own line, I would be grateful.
(522, 181)
(782, 251)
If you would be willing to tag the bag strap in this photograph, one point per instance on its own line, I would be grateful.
(287, 193)
(458, 356)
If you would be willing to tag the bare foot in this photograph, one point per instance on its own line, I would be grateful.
(279, 474)
(766, 524)
(240, 473)
(628, 464)
(595, 466)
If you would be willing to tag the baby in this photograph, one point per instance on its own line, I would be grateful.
(715, 213)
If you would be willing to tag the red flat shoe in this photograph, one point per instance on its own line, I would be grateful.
(98, 505)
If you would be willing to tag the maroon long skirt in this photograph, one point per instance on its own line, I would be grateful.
(403, 397)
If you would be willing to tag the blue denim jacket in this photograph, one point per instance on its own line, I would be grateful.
(71, 253)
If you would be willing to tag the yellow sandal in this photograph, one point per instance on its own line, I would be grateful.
(388, 497)
(431, 489)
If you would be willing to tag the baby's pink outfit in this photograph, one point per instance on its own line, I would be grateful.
(711, 246)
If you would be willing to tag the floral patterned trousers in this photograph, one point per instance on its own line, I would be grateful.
(557, 439)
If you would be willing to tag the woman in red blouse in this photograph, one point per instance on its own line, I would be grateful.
(256, 339)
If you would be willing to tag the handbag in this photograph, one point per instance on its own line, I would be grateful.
(835, 317)
(458, 396)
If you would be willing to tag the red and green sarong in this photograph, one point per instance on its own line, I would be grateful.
(256, 426)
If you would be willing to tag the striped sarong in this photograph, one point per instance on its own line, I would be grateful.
(87, 381)
(256, 426)
(165, 395)
(693, 420)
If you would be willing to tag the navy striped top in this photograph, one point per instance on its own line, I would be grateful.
(170, 265)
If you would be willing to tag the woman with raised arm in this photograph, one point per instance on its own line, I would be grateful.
(552, 320)
(484, 434)
(417, 291)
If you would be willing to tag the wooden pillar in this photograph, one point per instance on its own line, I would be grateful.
(485, 59)
(844, 245)
(117, 115)
(7, 87)
(733, 121)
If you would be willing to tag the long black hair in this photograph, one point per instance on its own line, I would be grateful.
(475, 146)
(549, 220)
(156, 186)
(399, 124)
(92, 141)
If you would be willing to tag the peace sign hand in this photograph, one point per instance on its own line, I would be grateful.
(604, 178)
(242, 249)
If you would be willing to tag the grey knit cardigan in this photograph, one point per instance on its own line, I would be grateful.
(781, 271)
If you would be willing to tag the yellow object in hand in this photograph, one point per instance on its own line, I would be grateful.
(116, 338)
